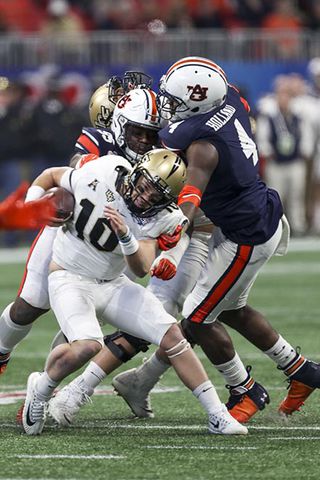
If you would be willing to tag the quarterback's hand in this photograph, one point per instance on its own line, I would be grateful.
(163, 268)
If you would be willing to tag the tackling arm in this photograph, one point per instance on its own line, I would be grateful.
(202, 159)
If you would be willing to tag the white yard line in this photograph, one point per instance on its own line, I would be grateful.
(130, 426)
(196, 447)
(77, 457)
(293, 438)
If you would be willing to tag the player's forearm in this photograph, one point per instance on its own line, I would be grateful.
(49, 178)
(141, 261)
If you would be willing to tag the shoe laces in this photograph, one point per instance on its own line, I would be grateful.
(223, 417)
(83, 397)
(37, 409)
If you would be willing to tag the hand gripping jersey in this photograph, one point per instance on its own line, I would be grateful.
(86, 245)
(99, 141)
(235, 199)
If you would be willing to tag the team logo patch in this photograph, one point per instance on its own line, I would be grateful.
(198, 93)
(109, 196)
(103, 116)
(93, 185)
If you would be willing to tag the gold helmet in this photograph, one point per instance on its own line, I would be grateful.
(103, 102)
(163, 171)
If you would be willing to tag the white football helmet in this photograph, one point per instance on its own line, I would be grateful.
(136, 122)
(191, 86)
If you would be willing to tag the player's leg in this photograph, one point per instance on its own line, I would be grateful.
(119, 347)
(32, 300)
(227, 300)
(143, 314)
(134, 385)
(303, 374)
(191, 372)
(73, 302)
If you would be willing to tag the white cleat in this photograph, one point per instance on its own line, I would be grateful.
(65, 405)
(222, 423)
(131, 388)
(34, 410)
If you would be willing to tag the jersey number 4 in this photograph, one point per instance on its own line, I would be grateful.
(247, 144)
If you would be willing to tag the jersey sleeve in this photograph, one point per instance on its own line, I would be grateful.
(165, 222)
(87, 142)
(179, 135)
(65, 181)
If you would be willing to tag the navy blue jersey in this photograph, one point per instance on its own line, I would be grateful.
(235, 199)
(99, 141)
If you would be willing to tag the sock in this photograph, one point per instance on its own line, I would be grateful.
(151, 371)
(208, 397)
(11, 333)
(236, 375)
(45, 386)
(92, 376)
(282, 353)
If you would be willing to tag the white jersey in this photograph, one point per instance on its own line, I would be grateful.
(86, 245)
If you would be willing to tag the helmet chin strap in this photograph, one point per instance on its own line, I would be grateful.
(132, 156)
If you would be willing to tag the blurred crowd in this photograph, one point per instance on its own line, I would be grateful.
(41, 116)
(288, 139)
(79, 16)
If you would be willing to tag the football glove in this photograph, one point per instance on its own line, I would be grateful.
(163, 268)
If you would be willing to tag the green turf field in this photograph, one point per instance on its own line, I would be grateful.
(107, 443)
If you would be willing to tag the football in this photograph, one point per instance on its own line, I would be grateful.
(64, 202)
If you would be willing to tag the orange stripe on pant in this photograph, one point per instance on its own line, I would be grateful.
(223, 285)
(29, 255)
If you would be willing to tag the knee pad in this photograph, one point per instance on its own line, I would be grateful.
(119, 350)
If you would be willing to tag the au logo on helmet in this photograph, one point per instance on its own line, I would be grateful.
(198, 93)
(123, 101)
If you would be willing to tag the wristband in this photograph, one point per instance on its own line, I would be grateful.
(191, 194)
(34, 193)
(128, 243)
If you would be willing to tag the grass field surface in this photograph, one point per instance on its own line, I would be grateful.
(105, 442)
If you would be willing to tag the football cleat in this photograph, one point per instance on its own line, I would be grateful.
(131, 388)
(4, 359)
(222, 423)
(302, 382)
(308, 372)
(65, 405)
(19, 416)
(243, 406)
(34, 409)
(297, 394)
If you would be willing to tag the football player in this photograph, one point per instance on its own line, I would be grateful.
(119, 213)
(133, 135)
(247, 397)
(211, 126)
